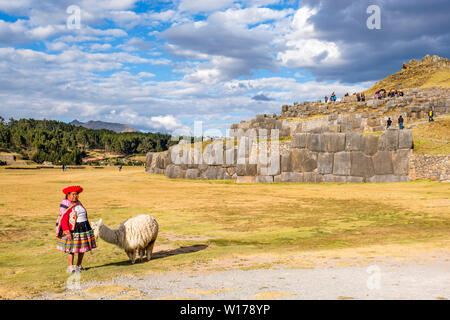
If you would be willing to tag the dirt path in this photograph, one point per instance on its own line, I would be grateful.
(382, 278)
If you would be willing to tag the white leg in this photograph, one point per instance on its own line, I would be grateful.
(150, 250)
(133, 256)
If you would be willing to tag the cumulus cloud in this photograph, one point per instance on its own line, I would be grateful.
(218, 61)
(203, 5)
(409, 29)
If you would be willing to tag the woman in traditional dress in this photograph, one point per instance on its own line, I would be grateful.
(73, 231)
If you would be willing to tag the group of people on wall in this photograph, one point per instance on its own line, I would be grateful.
(359, 97)
(332, 98)
(379, 94)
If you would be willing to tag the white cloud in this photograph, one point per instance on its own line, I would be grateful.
(303, 49)
(100, 46)
(203, 5)
(167, 122)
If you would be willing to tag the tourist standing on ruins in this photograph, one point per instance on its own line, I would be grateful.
(73, 231)
(326, 99)
(388, 123)
(400, 122)
(430, 115)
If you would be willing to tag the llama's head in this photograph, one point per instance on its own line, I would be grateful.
(96, 227)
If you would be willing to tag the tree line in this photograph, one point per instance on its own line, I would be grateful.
(63, 143)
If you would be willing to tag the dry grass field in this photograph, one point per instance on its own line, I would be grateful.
(211, 224)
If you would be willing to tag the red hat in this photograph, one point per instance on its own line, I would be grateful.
(72, 189)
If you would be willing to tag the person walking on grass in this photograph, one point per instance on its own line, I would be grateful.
(73, 231)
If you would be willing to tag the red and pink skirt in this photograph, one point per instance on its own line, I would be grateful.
(83, 239)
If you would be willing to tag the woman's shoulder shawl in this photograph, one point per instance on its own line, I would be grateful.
(64, 207)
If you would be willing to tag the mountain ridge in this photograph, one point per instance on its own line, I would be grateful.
(98, 125)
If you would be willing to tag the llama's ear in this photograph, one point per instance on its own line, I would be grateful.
(100, 222)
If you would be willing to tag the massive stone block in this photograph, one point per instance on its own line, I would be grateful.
(370, 144)
(303, 160)
(387, 178)
(382, 163)
(264, 179)
(148, 160)
(325, 163)
(192, 173)
(271, 168)
(361, 165)
(405, 140)
(342, 163)
(315, 142)
(388, 140)
(174, 172)
(312, 177)
(354, 141)
(299, 140)
(400, 160)
(213, 173)
(213, 154)
(334, 142)
(352, 179)
(289, 177)
(286, 165)
(230, 156)
(246, 169)
(245, 179)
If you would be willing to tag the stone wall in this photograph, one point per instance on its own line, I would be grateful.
(413, 102)
(370, 115)
(434, 167)
(309, 157)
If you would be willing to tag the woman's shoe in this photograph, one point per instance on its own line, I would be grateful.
(72, 269)
(80, 268)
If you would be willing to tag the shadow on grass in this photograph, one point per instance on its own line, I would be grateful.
(157, 255)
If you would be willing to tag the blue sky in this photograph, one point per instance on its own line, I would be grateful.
(161, 65)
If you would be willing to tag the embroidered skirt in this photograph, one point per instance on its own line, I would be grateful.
(83, 239)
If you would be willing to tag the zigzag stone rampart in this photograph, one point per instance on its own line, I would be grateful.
(329, 147)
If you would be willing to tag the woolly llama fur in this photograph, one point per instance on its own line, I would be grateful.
(134, 235)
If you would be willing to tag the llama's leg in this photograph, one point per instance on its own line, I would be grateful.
(141, 255)
(133, 256)
(129, 254)
(150, 250)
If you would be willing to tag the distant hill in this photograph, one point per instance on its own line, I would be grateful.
(429, 72)
(98, 125)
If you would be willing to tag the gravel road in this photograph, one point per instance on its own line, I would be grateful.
(382, 279)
